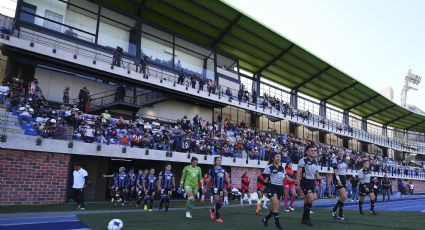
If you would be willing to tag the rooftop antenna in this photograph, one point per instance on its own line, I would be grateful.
(410, 80)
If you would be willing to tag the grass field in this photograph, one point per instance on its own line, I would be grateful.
(244, 218)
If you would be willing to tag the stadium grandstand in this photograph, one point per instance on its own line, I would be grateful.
(108, 84)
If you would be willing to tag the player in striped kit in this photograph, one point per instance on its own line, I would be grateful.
(139, 186)
(365, 186)
(150, 186)
(131, 185)
(216, 179)
(340, 181)
(273, 180)
(166, 186)
(121, 182)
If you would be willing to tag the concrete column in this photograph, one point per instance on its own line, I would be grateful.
(294, 99)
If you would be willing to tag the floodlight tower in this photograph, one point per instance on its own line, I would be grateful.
(409, 80)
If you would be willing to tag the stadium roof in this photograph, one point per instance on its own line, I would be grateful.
(262, 50)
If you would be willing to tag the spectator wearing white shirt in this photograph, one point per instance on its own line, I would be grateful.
(3, 93)
(89, 134)
(25, 114)
(79, 183)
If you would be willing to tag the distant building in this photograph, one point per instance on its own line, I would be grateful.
(388, 92)
(415, 109)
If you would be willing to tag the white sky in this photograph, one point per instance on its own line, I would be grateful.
(374, 41)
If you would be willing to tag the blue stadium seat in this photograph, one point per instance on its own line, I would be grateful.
(31, 132)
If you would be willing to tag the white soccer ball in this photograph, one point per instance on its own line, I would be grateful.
(115, 224)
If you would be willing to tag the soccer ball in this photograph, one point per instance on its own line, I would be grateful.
(115, 224)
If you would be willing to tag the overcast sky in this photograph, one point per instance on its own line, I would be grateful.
(374, 41)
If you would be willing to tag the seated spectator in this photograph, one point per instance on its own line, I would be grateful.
(89, 134)
(25, 114)
(49, 129)
(228, 92)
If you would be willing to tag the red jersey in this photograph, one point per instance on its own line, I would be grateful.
(290, 173)
(245, 184)
(260, 180)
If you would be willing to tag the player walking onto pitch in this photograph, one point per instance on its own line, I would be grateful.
(260, 189)
(307, 172)
(289, 185)
(245, 188)
(340, 181)
(166, 185)
(366, 188)
(192, 175)
(217, 176)
(273, 180)
(150, 187)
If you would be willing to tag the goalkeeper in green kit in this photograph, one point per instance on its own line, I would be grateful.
(192, 175)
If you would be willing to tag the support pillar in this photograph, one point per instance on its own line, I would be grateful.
(294, 99)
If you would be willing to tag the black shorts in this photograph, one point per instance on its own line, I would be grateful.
(307, 186)
(343, 181)
(363, 187)
(150, 192)
(217, 191)
(245, 191)
(274, 190)
(166, 192)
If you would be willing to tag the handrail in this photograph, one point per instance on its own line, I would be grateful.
(172, 76)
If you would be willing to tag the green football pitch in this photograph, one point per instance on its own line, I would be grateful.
(245, 218)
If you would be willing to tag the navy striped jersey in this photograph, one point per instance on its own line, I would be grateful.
(339, 165)
(150, 182)
(141, 178)
(121, 180)
(166, 179)
(217, 175)
(132, 178)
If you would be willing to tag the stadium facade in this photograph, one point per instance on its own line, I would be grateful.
(74, 44)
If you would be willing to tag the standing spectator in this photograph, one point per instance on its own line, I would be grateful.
(4, 89)
(411, 187)
(120, 93)
(84, 99)
(106, 115)
(117, 56)
(201, 83)
(228, 92)
(34, 90)
(80, 180)
(254, 96)
(143, 64)
(193, 81)
(386, 183)
(66, 95)
(240, 94)
(180, 79)
(355, 188)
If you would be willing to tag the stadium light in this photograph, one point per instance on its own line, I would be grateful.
(410, 78)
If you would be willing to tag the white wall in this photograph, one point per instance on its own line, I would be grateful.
(156, 50)
(173, 109)
(112, 36)
(224, 83)
(51, 5)
(53, 83)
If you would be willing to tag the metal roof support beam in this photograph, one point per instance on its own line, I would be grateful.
(279, 56)
(398, 118)
(380, 111)
(419, 123)
(226, 31)
(317, 75)
(340, 91)
(362, 102)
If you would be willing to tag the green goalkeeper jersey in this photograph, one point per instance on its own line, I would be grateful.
(191, 176)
